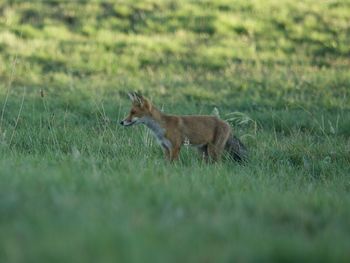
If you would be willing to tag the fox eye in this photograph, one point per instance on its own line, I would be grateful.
(133, 112)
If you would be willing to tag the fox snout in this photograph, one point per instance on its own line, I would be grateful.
(127, 122)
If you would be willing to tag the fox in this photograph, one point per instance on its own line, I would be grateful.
(211, 135)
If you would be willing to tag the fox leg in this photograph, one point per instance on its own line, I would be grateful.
(213, 154)
(217, 146)
(174, 153)
(166, 154)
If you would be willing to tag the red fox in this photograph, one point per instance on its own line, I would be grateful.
(209, 134)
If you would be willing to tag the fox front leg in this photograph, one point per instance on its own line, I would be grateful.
(171, 149)
(166, 153)
(174, 153)
(171, 154)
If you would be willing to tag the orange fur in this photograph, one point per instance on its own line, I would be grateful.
(208, 133)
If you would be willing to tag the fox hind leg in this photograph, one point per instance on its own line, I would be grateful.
(213, 153)
(217, 146)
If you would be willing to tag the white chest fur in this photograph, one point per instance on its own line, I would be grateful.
(158, 132)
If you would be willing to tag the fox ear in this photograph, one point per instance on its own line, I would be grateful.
(135, 98)
(139, 99)
(131, 96)
(146, 103)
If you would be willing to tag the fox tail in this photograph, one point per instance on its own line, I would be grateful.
(236, 149)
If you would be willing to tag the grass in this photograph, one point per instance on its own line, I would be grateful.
(74, 186)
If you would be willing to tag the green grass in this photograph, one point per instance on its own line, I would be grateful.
(74, 186)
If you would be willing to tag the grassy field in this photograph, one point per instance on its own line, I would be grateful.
(76, 187)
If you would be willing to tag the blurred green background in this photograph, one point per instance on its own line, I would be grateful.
(76, 187)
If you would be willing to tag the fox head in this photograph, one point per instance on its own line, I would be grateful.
(140, 110)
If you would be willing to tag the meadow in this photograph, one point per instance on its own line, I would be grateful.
(77, 187)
